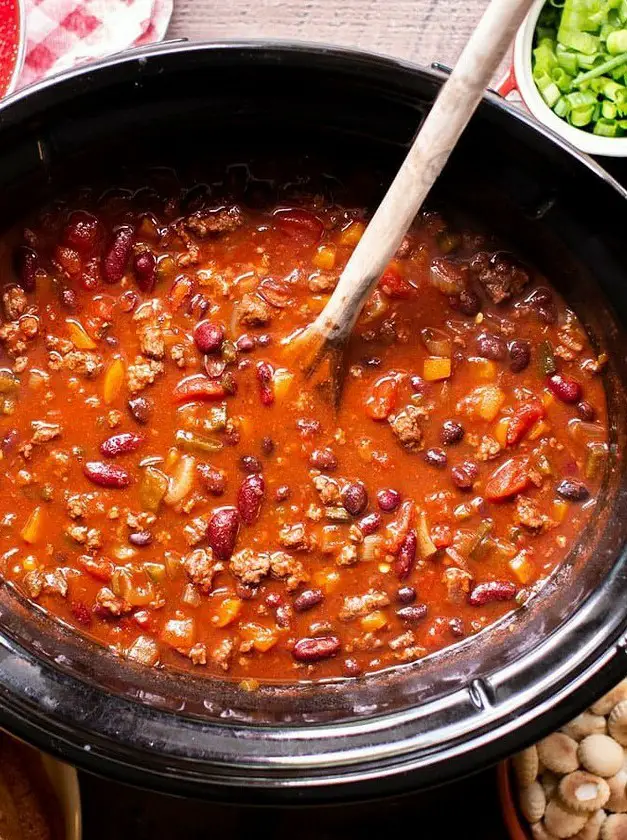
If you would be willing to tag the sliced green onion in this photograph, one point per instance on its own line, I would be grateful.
(605, 128)
(562, 107)
(561, 79)
(608, 110)
(617, 42)
(581, 116)
(567, 59)
(601, 69)
(579, 98)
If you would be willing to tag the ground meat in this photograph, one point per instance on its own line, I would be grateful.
(488, 448)
(59, 345)
(198, 654)
(250, 566)
(201, 568)
(29, 326)
(142, 373)
(40, 582)
(253, 311)
(223, 653)
(206, 223)
(354, 606)
(457, 582)
(107, 601)
(406, 428)
(14, 302)
(347, 555)
(322, 283)
(12, 339)
(89, 537)
(196, 530)
(283, 565)
(328, 490)
(43, 432)
(528, 515)
(140, 521)
(402, 641)
(295, 537)
(500, 275)
(83, 363)
(76, 507)
(571, 339)
(178, 355)
(151, 341)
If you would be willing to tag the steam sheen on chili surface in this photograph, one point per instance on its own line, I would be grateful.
(174, 491)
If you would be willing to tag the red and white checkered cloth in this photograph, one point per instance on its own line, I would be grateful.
(63, 33)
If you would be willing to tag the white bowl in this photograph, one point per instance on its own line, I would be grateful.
(583, 140)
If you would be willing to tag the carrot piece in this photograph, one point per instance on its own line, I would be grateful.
(373, 621)
(113, 380)
(31, 532)
(324, 258)
(436, 368)
(523, 567)
(262, 638)
(79, 336)
(352, 233)
(227, 612)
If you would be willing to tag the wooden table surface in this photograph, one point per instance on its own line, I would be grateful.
(422, 31)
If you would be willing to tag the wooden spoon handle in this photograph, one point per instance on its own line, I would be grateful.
(425, 160)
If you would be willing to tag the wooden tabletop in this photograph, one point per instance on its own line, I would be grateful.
(422, 31)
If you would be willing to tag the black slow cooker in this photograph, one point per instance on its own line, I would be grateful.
(412, 726)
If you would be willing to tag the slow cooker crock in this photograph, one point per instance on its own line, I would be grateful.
(416, 725)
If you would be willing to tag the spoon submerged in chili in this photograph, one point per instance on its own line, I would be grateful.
(321, 345)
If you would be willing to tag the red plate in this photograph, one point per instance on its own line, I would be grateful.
(12, 37)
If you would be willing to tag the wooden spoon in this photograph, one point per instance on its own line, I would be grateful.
(320, 346)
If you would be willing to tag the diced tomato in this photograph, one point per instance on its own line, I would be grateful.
(98, 567)
(198, 388)
(441, 536)
(397, 530)
(382, 399)
(299, 224)
(276, 292)
(508, 480)
(522, 420)
(394, 284)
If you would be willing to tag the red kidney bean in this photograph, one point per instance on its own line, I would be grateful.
(69, 300)
(464, 475)
(213, 480)
(245, 344)
(107, 475)
(25, 264)
(208, 336)
(355, 498)
(282, 493)
(586, 411)
(323, 459)
(264, 377)
(249, 498)
(9, 441)
(121, 444)
(406, 556)
(369, 524)
(418, 385)
(316, 649)
(140, 538)
(81, 612)
(542, 301)
(468, 303)
(494, 590)
(82, 232)
(414, 614)
(491, 347)
(388, 500)
(519, 355)
(140, 409)
(573, 490)
(180, 293)
(250, 464)
(245, 592)
(451, 432)
(214, 366)
(351, 667)
(129, 301)
(145, 268)
(565, 389)
(264, 340)
(308, 599)
(222, 531)
(117, 256)
(406, 595)
(436, 457)
(273, 599)
(267, 445)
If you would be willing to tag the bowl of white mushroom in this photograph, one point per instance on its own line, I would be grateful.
(573, 783)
